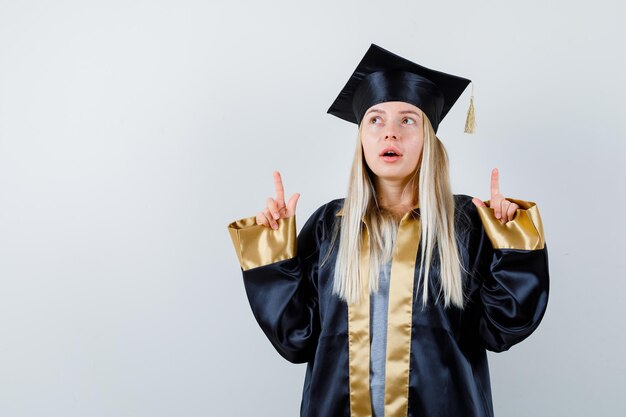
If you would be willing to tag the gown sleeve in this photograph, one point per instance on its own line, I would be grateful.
(280, 276)
(512, 267)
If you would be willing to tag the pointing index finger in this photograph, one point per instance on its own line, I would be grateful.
(495, 186)
(280, 191)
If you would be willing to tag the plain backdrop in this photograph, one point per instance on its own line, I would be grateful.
(133, 132)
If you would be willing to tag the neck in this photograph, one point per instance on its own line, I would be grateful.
(390, 195)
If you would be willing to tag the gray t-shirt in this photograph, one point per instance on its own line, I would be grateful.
(378, 341)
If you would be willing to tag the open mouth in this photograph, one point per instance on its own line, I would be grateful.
(390, 154)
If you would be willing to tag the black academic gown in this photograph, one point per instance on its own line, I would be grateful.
(438, 365)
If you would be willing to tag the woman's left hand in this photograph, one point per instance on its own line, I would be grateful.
(503, 209)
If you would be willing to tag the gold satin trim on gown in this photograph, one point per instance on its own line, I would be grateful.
(525, 231)
(257, 245)
(359, 340)
(399, 325)
(400, 317)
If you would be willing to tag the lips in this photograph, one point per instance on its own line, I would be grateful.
(390, 151)
(390, 154)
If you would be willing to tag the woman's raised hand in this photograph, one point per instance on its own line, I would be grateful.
(276, 208)
(503, 209)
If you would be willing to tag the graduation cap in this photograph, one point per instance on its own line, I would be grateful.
(384, 76)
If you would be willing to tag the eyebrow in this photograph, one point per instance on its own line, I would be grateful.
(401, 112)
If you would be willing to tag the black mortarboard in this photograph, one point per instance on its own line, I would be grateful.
(383, 76)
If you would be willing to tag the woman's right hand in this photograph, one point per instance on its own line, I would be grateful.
(276, 208)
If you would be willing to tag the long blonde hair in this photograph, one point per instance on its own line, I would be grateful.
(437, 207)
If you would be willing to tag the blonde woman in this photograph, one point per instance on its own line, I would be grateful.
(393, 294)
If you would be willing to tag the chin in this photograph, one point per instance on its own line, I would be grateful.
(392, 175)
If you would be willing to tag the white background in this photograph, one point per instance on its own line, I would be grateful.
(133, 132)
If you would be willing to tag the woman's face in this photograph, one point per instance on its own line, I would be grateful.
(395, 126)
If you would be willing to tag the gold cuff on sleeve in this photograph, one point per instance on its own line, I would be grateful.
(525, 231)
(257, 245)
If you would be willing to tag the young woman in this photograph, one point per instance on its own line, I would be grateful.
(393, 294)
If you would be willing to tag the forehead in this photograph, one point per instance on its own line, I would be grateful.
(394, 107)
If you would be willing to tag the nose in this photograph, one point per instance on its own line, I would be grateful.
(391, 133)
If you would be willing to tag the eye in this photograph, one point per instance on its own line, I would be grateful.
(409, 120)
(373, 119)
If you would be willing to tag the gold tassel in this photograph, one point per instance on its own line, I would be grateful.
(470, 121)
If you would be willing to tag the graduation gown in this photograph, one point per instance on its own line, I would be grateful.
(436, 362)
